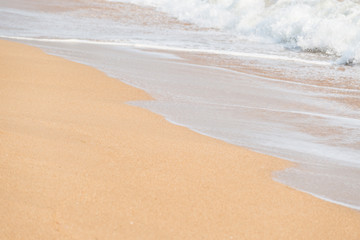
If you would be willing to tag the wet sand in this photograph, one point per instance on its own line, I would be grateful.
(77, 162)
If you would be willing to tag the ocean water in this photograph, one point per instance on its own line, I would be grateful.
(279, 77)
(328, 26)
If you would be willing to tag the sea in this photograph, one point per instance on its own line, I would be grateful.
(279, 77)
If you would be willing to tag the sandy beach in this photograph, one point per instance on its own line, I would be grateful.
(77, 162)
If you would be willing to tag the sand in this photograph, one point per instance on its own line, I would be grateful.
(77, 162)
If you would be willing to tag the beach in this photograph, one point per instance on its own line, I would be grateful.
(272, 77)
(77, 162)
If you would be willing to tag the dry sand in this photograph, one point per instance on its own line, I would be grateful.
(76, 162)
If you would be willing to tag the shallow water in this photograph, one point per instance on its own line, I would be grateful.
(295, 105)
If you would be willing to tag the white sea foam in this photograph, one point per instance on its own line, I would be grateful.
(327, 26)
(175, 49)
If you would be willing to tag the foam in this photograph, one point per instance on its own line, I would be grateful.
(328, 26)
(177, 49)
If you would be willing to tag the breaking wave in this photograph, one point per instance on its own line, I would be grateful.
(327, 26)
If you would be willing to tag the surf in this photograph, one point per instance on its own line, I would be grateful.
(329, 27)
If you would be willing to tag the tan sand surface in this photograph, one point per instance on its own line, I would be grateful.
(76, 162)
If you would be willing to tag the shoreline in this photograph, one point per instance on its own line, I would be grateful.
(110, 170)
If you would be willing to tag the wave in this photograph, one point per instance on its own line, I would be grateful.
(174, 49)
(326, 26)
